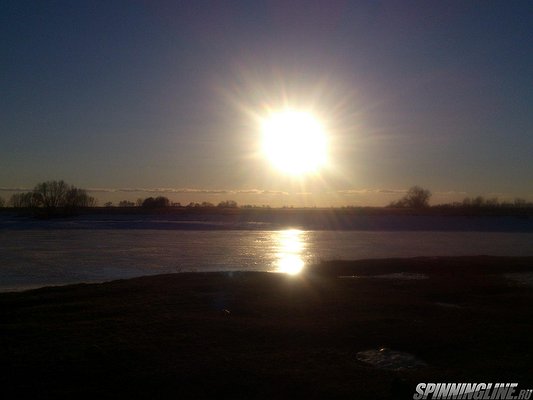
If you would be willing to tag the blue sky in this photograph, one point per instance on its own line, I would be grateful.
(124, 95)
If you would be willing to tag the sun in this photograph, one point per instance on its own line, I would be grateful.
(294, 142)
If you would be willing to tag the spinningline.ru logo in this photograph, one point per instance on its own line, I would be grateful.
(490, 391)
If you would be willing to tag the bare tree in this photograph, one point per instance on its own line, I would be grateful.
(520, 203)
(416, 197)
(52, 195)
(53, 198)
(76, 198)
(24, 200)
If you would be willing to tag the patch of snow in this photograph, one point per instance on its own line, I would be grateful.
(385, 358)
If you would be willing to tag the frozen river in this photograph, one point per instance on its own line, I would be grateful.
(39, 257)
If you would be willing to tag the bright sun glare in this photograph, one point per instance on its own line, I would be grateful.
(290, 248)
(294, 142)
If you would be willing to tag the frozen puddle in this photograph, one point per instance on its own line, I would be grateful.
(521, 278)
(385, 358)
(404, 276)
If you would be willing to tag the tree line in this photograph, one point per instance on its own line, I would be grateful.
(53, 198)
(59, 198)
(481, 202)
(418, 197)
(163, 202)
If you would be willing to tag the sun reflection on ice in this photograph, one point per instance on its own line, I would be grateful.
(290, 248)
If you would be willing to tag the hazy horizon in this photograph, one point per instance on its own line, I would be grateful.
(255, 197)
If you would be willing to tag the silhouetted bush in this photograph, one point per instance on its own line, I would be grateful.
(158, 202)
(227, 204)
(2, 202)
(203, 204)
(78, 198)
(126, 203)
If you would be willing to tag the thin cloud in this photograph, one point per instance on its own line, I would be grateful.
(392, 191)
(371, 191)
(395, 192)
(185, 191)
(154, 190)
(275, 192)
(189, 190)
(450, 193)
(260, 191)
(101, 190)
(250, 191)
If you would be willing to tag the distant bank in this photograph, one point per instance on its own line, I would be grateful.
(210, 218)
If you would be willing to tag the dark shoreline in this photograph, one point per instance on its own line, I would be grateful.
(282, 213)
(519, 221)
(264, 335)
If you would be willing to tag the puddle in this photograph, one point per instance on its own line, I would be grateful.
(385, 358)
(405, 276)
(521, 278)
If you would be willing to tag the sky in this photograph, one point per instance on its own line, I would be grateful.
(131, 99)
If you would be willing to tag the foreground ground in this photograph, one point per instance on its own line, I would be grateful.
(262, 335)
